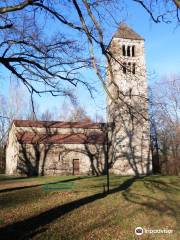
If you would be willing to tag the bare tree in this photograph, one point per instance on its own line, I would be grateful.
(51, 60)
(47, 62)
(79, 114)
(73, 113)
(3, 119)
(165, 115)
(11, 107)
(32, 110)
(161, 10)
(47, 115)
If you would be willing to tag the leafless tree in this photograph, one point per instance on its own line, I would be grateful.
(165, 11)
(11, 108)
(47, 59)
(47, 62)
(79, 114)
(165, 116)
(73, 113)
(32, 112)
(47, 115)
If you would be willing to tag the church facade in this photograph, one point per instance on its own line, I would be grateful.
(122, 144)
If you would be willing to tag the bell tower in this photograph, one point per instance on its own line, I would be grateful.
(127, 106)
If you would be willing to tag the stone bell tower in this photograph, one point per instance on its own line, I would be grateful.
(127, 107)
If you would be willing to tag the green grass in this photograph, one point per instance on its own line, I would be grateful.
(83, 211)
(4, 177)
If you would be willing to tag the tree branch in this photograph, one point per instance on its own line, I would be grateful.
(17, 7)
(6, 26)
(177, 2)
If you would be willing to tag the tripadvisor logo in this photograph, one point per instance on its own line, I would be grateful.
(139, 231)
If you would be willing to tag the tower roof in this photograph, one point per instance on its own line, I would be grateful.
(124, 31)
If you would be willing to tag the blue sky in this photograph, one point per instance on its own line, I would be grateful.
(162, 57)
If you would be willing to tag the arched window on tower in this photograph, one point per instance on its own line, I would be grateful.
(124, 50)
(128, 51)
(133, 51)
(130, 92)
(134, 68)
(124, 68)
(129, 67)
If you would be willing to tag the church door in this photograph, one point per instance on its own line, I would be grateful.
(75, 166)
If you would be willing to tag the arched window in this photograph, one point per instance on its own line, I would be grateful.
(124, 50)
(133, 51)
(130, 92)
(129, 67)
(134, 68)
(124, 68)
(128, 51)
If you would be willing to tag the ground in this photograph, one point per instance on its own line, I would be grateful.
(77, 208)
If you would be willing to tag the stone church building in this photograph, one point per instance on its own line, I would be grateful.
(122, 144)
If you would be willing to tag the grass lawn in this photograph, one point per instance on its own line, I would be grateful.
(76, 207)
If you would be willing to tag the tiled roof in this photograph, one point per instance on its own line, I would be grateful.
(58, 124)
(74, 138)
(126, 32)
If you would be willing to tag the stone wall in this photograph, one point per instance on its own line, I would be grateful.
(12, 152)
(53, 159)
(57, 159)
(129, 152)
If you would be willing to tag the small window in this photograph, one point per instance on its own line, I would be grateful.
(124, 50)
(130, 92)
(132, 117)
(133, 51)
(60, 157)
(128, 51)
(124, 68)
(129, 67)
(134, 68)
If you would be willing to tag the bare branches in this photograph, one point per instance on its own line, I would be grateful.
(109, 59)
(36, 58)
(58, 16)
(4, 117)
(53, 59)
(156, 20)
(165, 125)
(46, 58)
(6, 26)
(17, 7)
(161, 11)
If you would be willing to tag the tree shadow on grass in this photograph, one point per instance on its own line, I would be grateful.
(42, 184)
(4, 177)
(28, 228)
(13, 197)
(162, 197)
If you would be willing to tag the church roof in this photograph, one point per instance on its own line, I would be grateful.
(71, 138)
(124, 31)
(58, 124)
